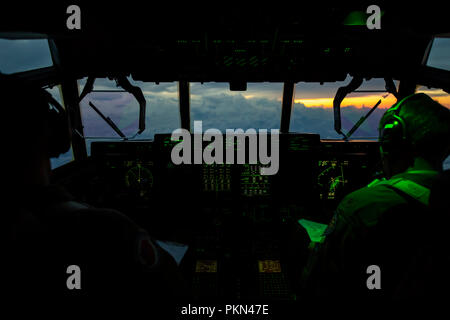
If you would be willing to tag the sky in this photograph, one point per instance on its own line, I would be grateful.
(217, 107)
(259, 107)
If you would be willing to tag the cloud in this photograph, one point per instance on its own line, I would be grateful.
(259, 107)
(219, 108)
(437, 94)
(235, 111)
(121, 107)
(321, 120)
(314, 90)
(156, 88)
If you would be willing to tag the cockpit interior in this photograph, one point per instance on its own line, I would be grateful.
(234, 232)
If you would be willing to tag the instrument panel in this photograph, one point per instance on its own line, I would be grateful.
(313, 176)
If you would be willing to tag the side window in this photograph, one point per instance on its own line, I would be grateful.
(68, 156)
(439, 56)
(20, 55)
(446, 164)
(23, 55)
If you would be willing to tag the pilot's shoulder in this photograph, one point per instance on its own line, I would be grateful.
(87, 220)
(107, 218)
(368, 203)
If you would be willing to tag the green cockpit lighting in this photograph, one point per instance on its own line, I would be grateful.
(355, 18)
(315, 230)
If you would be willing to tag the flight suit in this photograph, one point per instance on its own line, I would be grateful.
(50, 232)
(381, 224)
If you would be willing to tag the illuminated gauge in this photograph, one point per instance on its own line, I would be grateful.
(139, 179)
(331, 178)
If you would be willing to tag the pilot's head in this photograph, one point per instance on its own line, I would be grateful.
(35, 128)
(416, 127)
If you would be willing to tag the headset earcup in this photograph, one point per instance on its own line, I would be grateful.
(393, 141)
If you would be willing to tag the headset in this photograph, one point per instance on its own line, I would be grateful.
(59, 134)
(394, 135)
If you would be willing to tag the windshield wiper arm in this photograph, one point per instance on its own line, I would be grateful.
(363, 118)
(108, 120)
(342, 92)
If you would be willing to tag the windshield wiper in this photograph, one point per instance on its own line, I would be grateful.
(109, 121)
(123, 82)
(363, 118)
(342, 92)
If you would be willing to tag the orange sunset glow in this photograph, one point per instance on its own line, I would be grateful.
(439, 95)
(370, 100)
(359, 102)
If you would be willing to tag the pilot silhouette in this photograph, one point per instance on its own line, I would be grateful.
(47, 230)
(385, 222)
